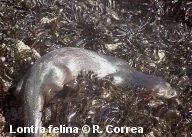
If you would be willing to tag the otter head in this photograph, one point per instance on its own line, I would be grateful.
(163, 89)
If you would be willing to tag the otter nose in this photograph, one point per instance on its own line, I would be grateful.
(173, 93)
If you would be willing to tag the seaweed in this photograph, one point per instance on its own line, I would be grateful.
(153, 36)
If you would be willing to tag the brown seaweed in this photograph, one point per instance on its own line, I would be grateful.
(153, 36)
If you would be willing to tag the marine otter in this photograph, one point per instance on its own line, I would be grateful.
(60, 66)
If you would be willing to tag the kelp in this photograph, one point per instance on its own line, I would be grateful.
(152, 36)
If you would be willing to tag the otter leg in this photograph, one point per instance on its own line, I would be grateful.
(40, 88)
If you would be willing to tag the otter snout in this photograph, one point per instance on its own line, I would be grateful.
(166, 91)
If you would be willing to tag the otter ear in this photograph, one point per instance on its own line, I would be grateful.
(162, 93)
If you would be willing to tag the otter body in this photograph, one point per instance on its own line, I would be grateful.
(60, 66)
